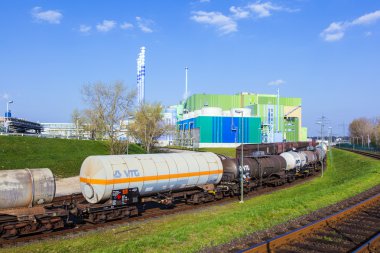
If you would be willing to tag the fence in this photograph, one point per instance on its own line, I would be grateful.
(358, 147)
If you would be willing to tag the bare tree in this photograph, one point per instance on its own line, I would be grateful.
(361, 128)
(78, 120)
(108, 106)
(148, 125)
(375, 139)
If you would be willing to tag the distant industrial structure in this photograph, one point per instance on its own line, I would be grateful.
(16, 125)
(213, 120)
(141, 77)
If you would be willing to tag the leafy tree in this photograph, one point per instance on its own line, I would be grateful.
(148, 125)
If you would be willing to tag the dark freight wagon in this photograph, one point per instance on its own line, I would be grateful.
(273, 148)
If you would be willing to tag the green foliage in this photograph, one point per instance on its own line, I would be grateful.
(148, 125)
(348, 175)
(64, 157)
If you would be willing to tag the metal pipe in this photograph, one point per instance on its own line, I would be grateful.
(278, 110)
(186, 94)
(242, 156)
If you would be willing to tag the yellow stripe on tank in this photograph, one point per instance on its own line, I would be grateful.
(148, 178)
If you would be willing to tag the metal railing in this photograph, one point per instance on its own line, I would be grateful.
(358, 147)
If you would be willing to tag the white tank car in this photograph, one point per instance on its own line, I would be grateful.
(151, 173)
(303, 158)
(26, 187)
(321, 151)
(293, 160)
(323, 145)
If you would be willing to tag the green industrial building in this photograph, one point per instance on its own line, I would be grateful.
(212, 120)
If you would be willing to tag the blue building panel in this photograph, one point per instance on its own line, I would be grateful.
(218, 129)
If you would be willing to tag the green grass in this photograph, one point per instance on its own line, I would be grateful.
(349, 175)
(223, 151)
(231, 152)
(64, 157)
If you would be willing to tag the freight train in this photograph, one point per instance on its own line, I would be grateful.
(117, 186)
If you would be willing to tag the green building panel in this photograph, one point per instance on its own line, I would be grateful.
(263, 106)
(226, 102)
(291, 129)
(304, 134)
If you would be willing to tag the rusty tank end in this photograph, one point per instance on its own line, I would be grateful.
(26, 187)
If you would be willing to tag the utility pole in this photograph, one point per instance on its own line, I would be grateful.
(322, 122)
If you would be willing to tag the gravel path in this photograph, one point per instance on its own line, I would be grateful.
(67, 186)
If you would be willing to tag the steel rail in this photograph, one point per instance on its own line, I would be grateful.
(276, 243)
(370, 246)
(360, 152)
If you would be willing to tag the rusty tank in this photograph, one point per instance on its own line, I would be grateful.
(254, 167)
(26, 187)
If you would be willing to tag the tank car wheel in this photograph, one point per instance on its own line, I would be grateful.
(10, 234)
(100, 219)
(11, 237)
(27, 229)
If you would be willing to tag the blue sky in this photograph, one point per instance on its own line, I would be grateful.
(325, 51)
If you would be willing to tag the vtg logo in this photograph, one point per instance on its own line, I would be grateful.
(245, 168)
(126, 173)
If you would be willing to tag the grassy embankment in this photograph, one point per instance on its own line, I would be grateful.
(64, 157)
(349, 175)
(223, 151)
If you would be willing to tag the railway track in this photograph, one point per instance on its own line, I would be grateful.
(349, 230)
(354, 229)
(152, 211)
(369, 154)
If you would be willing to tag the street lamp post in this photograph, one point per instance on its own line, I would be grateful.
(322, 124)
(242, 156)
(77, 127)
(330, 136)
(6, 116)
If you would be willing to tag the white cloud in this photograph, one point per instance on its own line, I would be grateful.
(228, 23)
(224, 24)
(50, 16)
(106, 26)
(239, 13)
(367, 34)
(276, 82)
(263, 9)
(144, 25)
(336, 30)
(84, 28)
(126, 26)
(367, 19)
(6, 96)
